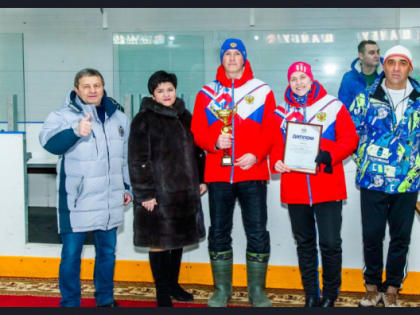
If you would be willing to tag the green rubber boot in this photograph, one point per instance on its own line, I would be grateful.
(256, 270)
(222, 269)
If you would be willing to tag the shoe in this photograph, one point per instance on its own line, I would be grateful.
(222, 277)
(326, 303)
(160, 264)
(311, 302)
(110, 304)
(177, 292)
(256, 270)
(371, 297)
(390, 297)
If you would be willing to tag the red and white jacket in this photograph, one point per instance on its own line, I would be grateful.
(251, 126)
(339, 137)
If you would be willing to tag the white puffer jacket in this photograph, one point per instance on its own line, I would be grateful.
(92, 171)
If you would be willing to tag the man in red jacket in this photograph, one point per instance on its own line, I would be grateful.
(248, 144)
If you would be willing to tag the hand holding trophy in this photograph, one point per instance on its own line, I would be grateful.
(226, 115)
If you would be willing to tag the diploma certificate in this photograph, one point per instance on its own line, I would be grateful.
(302, 147)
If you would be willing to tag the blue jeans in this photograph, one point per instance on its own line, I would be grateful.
(252, 196)
(103, 275)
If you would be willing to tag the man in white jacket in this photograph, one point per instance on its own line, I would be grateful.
(91, 138)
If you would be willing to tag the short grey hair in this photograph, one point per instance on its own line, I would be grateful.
(88, 72)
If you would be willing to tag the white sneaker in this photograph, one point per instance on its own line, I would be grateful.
(390, 297)
(371, 297)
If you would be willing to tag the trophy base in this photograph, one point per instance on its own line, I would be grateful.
(227, 161)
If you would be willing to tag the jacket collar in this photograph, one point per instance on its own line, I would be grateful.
(148, 103)
(78, 105)
(377, 92)
(357, 67)
(226, 82)
(317, 92)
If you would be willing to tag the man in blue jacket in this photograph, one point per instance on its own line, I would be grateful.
(364, 71)
(387, 120)
(91, 138)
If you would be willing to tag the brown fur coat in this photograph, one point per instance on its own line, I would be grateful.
(165, 164)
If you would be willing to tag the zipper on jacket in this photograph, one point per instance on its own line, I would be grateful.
(307, 175)
(109, 181)
(233, 133)
(309, 190)
(394, 122)
(96, 143)
(79, 191)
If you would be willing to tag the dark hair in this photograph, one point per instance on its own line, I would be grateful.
(88, 72)
(160, 77)
(361, 48)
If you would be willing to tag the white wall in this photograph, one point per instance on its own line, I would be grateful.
(59, 42)
(409, 17)
(12, 191)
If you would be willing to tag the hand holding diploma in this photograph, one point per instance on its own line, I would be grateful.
(281, 167)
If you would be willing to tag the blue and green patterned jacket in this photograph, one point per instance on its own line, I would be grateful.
(387, 156)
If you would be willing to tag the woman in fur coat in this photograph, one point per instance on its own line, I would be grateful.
(167, 176)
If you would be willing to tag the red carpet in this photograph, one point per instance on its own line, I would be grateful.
(40, 301)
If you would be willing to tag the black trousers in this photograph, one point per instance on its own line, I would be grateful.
(378, 208)
(327, 216)
(252, 196)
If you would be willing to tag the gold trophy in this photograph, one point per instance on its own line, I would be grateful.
(226, 115)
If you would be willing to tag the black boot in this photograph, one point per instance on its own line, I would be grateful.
(110, 304)
(311, 301)
(177, 292)
(326, 303)
(160, 264)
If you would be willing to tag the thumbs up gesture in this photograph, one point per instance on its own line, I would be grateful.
(85, 126)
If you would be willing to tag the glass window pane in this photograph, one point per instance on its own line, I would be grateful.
(138, 55)
(11, 77)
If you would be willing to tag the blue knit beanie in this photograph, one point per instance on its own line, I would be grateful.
(233, 43)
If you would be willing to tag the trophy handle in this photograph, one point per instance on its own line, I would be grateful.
(235, 109)
(214, 112)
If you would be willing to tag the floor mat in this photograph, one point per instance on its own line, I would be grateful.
(145, 292)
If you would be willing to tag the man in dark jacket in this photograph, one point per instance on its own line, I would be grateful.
(364, 71)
